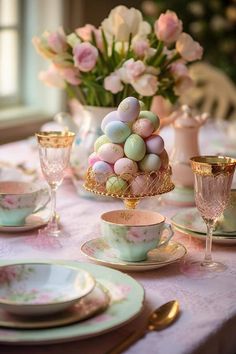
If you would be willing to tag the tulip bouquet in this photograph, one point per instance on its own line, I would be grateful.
(125, 56)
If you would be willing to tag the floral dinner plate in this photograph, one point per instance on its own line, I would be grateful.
(95, 302)
(124, 307)
(100, 252)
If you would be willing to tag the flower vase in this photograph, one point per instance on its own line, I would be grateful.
(186, 130)
(88, 120)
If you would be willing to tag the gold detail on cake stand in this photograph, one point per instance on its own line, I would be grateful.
(150, 184)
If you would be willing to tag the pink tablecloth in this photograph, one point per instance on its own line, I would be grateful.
(208, 306)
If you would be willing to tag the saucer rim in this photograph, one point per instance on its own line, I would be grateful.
(29, 226)
(125, 264)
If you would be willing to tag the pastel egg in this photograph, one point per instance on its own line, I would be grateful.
(117, 132)
(110, 117)
(143, 127)
(110, 152)
(125, 165)
(150, 116)
(141, 185)
(135, 147)
(128, 109)
(93, 158)
(164, 159)
(116, 185)
(101, 171)
(103, 139)
(155, 144)
(149, 163)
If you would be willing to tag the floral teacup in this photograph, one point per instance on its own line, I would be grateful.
(134, 232)
(20, 199)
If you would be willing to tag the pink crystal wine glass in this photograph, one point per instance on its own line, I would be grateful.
(213, 177)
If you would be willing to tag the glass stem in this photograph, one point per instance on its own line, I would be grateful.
(210, 228)
(53, 221)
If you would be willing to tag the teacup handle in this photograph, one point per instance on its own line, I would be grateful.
(171, 234)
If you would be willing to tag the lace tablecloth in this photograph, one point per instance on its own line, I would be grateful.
(208, 306)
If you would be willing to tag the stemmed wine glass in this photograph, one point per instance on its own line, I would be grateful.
(213, 177)
(54, 154)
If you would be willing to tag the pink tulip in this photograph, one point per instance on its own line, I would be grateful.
(131, 70)
(145, 85)
(113, 83)
(85, 33)
(57, 41)
(189, 49)
(42, 48)
(71, 75)
(52, 77)
(168, 27)
(85, 56)
(141, 47)
(178, 69)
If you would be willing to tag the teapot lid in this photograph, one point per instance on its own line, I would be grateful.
(186, 118)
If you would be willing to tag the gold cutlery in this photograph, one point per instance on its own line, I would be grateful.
(159, 319)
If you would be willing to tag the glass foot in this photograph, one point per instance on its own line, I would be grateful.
(201, 269)
(52, 232)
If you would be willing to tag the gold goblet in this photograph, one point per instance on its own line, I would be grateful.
(213, 177)
(54, 154)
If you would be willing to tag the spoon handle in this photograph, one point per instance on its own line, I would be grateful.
(126, 343)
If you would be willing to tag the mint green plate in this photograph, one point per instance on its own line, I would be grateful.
(117, 314)
(191, 220)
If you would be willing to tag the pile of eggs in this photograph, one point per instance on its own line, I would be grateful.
(128, 147)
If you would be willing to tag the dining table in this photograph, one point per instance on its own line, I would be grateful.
(207, 320)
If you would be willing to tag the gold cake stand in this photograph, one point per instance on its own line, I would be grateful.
(148, 185)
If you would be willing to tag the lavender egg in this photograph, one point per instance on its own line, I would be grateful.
(154, 144)
(149, 163)
(110, 117)
(143, 127)
(125, 165)
(93, 158)
(117, 132)
(102, 170)
(128, 109)
(110, 152)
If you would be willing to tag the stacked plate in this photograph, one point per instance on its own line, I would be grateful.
(190, 222)
(55, 302)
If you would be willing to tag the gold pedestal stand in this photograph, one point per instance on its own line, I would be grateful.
(138, 186)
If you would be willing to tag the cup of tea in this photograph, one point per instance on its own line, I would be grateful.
(132, 233)
(19, 200)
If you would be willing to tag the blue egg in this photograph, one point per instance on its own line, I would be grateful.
(117, 132)
(102, 170)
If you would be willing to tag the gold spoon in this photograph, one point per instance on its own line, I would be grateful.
(159, 319)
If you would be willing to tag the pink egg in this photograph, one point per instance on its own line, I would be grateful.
(128, 109)
(93, 158)
(110, 152)
(154, 144)
(110, 117)
(102, 170)
(125, 165)
(141, 185)
(164, 159)
(143, 127)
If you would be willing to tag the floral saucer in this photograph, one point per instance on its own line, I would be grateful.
(100, 252)
(92, 304)
(222, 239)
(33, 221)
(37, 289)
(124, 307)
(191, 220)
